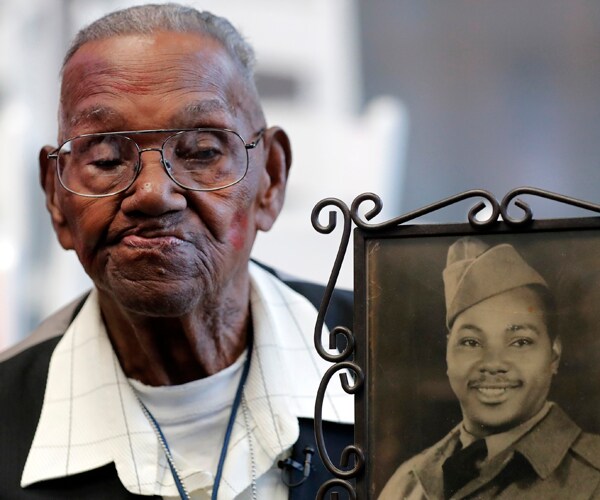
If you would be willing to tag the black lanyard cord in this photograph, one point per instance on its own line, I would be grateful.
(234, 409)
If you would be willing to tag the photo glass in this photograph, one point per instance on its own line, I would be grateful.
(407, 404)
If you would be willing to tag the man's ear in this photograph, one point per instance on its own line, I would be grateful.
(48, 182)
(556, 353)
(278, 159)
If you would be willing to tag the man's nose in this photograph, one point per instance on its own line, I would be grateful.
(153, 191)
(493, 360)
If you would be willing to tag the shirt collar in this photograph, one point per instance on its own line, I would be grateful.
(90, 416)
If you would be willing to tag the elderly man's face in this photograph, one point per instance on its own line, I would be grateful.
(157, 248)
(501, 361)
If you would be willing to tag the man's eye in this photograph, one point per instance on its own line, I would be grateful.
(521, 342)
(207, 153)
(198, 154)
(469, 342)
(107, 164)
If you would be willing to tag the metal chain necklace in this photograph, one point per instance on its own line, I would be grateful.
(183, 493)
(238, 400)
(245, 412)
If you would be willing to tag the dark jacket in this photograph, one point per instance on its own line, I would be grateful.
(23, 373)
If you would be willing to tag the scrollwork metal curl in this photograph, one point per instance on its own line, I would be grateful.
(528, 214)
(335, 272)
(350, 450)
(326, 486)
(359, 200)
(473, 193)
(318, 208)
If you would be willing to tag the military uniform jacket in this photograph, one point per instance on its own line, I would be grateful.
(554, 460)
(23, 374)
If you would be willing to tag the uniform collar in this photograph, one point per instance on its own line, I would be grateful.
(544, 454)
(428, 465)
(497, 443)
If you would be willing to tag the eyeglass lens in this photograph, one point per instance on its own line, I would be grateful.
(199, 160)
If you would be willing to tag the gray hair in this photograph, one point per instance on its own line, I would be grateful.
(147, 19)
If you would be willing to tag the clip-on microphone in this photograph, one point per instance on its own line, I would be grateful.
(288, 466)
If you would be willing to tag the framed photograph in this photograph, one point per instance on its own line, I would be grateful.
(417, 287)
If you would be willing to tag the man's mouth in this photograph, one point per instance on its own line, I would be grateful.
(154, 242)
(493, 392)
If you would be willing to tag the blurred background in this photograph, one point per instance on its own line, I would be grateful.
(415, 100)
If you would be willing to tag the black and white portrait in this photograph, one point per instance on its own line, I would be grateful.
(482, 361)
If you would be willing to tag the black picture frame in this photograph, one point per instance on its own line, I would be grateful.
(394, 358)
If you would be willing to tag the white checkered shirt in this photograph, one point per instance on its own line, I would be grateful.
(90, 416)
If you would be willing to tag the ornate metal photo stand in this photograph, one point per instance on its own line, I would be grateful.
(394, 360)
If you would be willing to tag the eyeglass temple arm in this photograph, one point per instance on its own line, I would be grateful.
(254, 143)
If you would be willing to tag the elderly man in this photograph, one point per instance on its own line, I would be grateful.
(188, 370)
(502, 353)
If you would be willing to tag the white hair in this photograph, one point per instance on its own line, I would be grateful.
(147, 19)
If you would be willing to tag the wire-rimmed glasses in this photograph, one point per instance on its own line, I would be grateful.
(198, 159)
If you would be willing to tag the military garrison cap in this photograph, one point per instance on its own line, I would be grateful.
(475, 271)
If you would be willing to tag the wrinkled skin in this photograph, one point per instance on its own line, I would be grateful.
(501, 361)
(171, 265)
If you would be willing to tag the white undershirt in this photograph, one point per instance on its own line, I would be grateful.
(196, 429)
